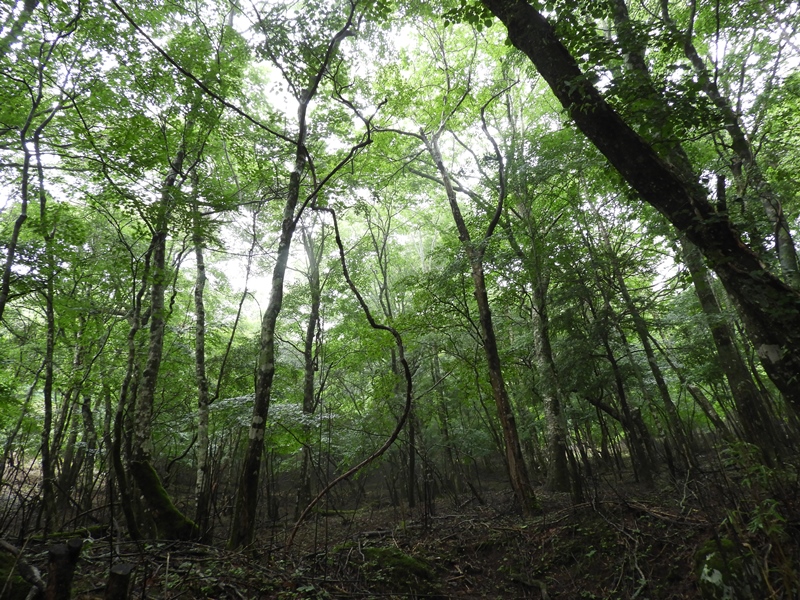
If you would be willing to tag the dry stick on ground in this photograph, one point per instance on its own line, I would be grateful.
(406, 372)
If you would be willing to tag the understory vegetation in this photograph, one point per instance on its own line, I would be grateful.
(339, 299)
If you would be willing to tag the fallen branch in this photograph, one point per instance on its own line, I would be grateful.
(26, 570)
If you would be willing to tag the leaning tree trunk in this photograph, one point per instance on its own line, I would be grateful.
(770, 308)
(751, 406)
(744, 166)
(517, 470)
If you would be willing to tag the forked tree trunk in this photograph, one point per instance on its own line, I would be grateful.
(246, 504)
(517, 470)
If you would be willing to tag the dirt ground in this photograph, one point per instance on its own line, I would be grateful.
(621, 541)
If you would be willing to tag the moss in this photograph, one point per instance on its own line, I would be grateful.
(396, 571)
(95, 531)
(17, 588)
(172, 524)
(725, 572)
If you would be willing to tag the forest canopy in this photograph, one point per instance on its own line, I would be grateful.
(261, 255)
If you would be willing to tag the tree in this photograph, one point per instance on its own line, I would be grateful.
(769, 307)
(304, 67)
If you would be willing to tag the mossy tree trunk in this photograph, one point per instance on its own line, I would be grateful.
(169, 521)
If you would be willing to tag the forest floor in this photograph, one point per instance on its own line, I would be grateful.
(623, 541)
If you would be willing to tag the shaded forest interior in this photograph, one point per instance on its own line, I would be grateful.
(344, 299)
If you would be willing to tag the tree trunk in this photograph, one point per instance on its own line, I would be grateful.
(751, 406)
(746, 170)
(769, 307)
(517, 470)
(310, 363)
(558, 467)
(202, 481)
(170, 522)
(244, 514)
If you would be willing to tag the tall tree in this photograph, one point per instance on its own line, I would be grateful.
(304, 68)
(769, 307)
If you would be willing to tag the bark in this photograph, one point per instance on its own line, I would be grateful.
(244, 514)
(310, 364)
(90, 438)
(558, 473)
(48, 471)
(710, 412)
(63, 559)
(515, 462)
(770, 308)
(744, 166)
(750, 403)
(202, 481)
(639, 437)
(119, 582)
(558, 478)
(170, 522)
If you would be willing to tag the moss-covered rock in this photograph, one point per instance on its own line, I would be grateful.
(725, 572)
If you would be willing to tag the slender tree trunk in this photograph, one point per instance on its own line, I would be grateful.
(244, 515)
(517, 470)
(558, 467)
(310, 363)
(451, 473)
(202, 480)
(90, 439)
(751, 406)
(770, 308)
(48, 470)
(676, 429)
(558, 472)
(638, 435)
(643, 463)
(170, 522)
(246, 504)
